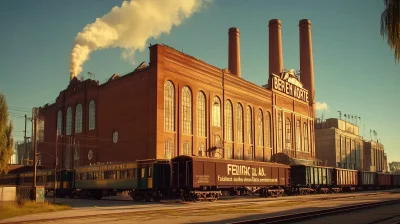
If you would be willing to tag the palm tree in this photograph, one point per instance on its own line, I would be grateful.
(390, 26)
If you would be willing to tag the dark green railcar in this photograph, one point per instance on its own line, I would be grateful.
(307, 179)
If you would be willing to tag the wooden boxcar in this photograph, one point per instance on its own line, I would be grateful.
(384, 180)
(201, 178)
(345, 179)
(367, 179)
(307, 179)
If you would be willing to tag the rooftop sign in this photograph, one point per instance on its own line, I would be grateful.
(288, 83)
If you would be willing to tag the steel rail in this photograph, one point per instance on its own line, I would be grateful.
(315, 214)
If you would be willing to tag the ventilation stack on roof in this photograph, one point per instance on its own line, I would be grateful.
(275, 47)
(234, 52)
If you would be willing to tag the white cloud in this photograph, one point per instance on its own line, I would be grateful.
(322, 106)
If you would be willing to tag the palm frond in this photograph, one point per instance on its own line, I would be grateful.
(390, 26)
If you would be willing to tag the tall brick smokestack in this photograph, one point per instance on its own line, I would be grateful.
(234, 51)
(306, 61)
(275, 47)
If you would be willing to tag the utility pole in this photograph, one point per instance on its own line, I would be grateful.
(55, 169)
(26, 145)
(36, 113)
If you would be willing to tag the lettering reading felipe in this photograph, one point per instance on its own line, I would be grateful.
(235, 173)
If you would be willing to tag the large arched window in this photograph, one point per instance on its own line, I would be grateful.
(78, 119)
(249, 125)
(169, 106)
(92, 115)
(280, 131)
(186, 148)
(260, 128)
(305, 137)
(69, 121)
(228, 121)
(288, 134)
(239, 123)
(216, 118)
(186, 111)
(59, 122)
(268, 129)
(201, 115)
(202, 149)
(168, 149)
(298, 139)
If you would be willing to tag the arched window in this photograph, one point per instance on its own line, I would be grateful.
(240, 153)
(311, 138)
(202, 149)
(169, 106)
(280, 131)
(92, 115)
(69, 121)
(78, 119)
(298, 139)
(260, 129)
(186, 148)
(239, 123)
(186, 111)
(59, 122)
(249, 126)
(268, 129)
(201, 114)
(305, 137)
(218, 153)
(228, 152)
(228, 121)
(288, 134)
(216, 112)
(168, 149)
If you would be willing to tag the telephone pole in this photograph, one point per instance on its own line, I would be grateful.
(26, 145)
(35, 148)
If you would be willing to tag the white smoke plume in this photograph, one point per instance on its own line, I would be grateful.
(129, 27)
(322, 106)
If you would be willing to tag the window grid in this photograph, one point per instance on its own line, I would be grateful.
(169, 107)
(311, 137)
(186, 148)
(78, 119)
(288, 134)
(298, 138)
(268, 129)
(59, 122)
(186, 111)
(201, 114)
(41, 130)
(249, 126)
(239, 123)
(216, 112)
(92, 115)
(280, 127)
(305, 135)
(69, 121)
(228, 121)
(168, 149)
(228, 152)
(240, 153)
(202, 148)
(260, 128)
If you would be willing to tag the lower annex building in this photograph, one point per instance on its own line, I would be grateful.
(180, 105)
(339, 144)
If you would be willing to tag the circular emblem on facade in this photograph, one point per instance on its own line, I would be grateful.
(115, 136)
(90, 155)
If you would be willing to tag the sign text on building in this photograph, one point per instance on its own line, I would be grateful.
(289, 84)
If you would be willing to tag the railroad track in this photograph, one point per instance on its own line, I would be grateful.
(298, 217)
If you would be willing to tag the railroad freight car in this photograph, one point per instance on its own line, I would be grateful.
(384, 180)
(395, 180)
(344, 180)
(367, 180)
(199, 178)
(310, 179)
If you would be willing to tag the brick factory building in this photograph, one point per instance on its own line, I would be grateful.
(339, 144)
(179, 105)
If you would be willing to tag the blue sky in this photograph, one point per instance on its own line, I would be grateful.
(355, 71)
